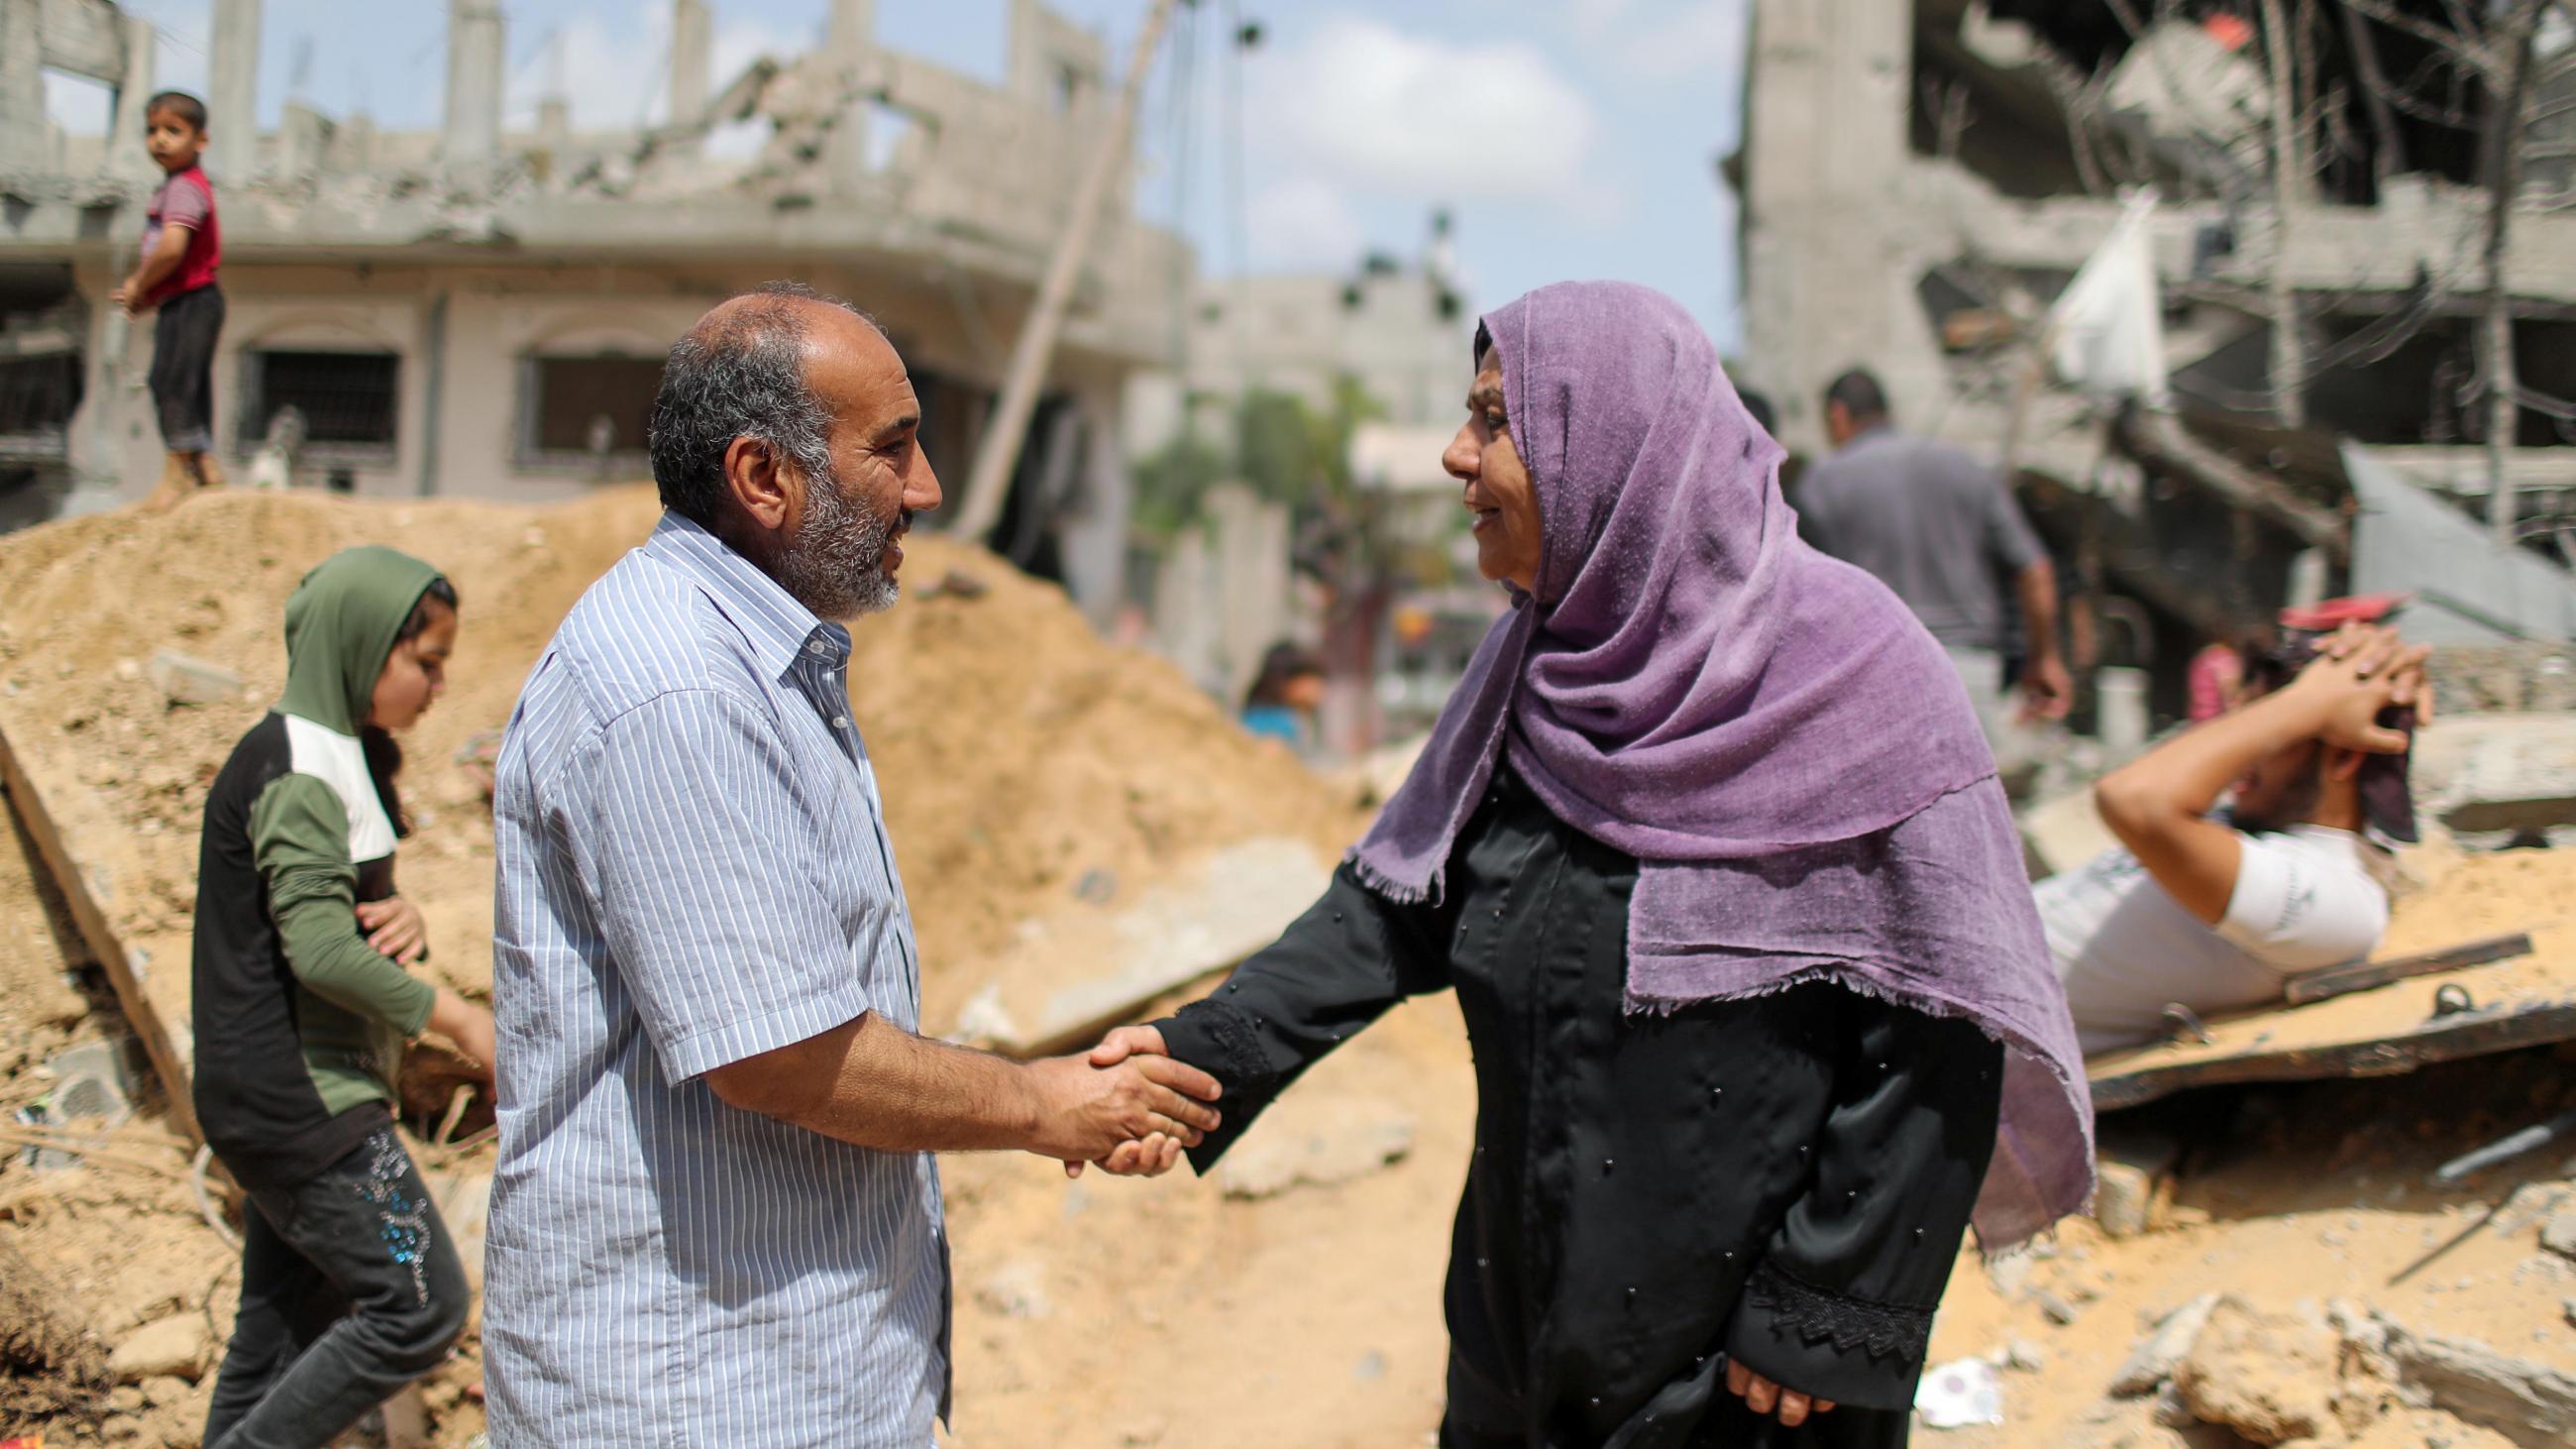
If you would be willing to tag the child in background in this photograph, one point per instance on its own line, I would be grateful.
(182, 246)
(350, 1285)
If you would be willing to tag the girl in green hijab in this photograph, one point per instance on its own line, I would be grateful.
(351, 1286)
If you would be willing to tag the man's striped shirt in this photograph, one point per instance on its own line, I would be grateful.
(694, 870)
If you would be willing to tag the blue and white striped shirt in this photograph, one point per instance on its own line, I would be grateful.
(694, 870)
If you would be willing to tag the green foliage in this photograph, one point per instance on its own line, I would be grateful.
(1283, 448)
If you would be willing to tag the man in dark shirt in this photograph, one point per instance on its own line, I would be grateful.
(1938, 528)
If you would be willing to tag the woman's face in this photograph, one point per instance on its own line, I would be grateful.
(415, 673)
(1499, 492)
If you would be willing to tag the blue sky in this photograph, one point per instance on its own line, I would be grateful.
(1570, 137)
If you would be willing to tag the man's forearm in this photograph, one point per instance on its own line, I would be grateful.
(2037, 587)
(873, 1084)
(2184, 777)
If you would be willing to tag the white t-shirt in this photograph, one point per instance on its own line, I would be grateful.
(2307, 898)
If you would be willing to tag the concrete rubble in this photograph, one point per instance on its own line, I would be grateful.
(173, 1347)
(1315, 1142)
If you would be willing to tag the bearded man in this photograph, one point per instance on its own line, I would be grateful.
(715, 1218)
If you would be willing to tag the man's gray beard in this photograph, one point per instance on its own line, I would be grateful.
(835, 565)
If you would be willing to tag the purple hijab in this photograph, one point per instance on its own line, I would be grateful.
(1770, 732)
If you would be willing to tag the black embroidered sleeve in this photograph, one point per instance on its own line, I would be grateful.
(1841, 1304)
(1339, 967)
(1821, 1318)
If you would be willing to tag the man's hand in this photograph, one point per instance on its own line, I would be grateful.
(467, 1025)
(1763, 1396)
(2047, 690)
(1155, 1155)
(394, 928)
(2361, 671)
(1088, 1112)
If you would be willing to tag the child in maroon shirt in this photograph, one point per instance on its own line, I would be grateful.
(182, 246)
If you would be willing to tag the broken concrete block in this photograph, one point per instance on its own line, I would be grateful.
(2513, 773)
(2558, 1234)
(2268, 1376)
(174, 1347)
(2530, 1403)
(2152, 1362)
(2131, 1170)
(2059, 1311)
(1321, 1141)
(1017, 1289)
(183, 680)
(1081, 970)
(464, 1198)
(2063, 833)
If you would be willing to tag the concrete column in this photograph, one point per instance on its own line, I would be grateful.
(23, 144)
(554, 124)
(847, 38)
(125, 154)
(1828, 241)
(692, 59)
(852, 29)
(474, 76)
(232, 93)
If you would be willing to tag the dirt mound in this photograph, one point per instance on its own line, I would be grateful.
(1018, 753)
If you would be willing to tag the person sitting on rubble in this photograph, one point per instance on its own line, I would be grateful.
(1755, 992)
(2215, 912)
(351, 1286)
(1285, 696)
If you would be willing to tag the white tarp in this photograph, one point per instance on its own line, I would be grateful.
(2108, 325)
(2405, 540)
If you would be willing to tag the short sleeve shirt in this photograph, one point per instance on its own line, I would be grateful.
(694, 870)
(1933, 524)
(2305, 899)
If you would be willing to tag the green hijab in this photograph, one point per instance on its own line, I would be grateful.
(340, 628)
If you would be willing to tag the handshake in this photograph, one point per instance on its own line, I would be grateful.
(1125, 1106)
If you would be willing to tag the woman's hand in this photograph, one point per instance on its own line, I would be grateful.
(1763, 1396)
(394, 928)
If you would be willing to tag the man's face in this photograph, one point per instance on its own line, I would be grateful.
(1840, 426)
(1499, 491)
(174, 143)
(845, 534)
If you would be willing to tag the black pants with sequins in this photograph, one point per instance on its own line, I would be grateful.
(351, 1288)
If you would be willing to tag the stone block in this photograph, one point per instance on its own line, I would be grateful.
(185, 680)
(1314, 1143)
(2152, 1362)
(173, 1347)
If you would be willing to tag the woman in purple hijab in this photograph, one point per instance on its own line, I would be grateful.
(1711, 849)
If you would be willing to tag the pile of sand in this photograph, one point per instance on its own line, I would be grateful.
(1018, 753)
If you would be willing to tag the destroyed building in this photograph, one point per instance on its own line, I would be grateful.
(1922, 179)
(482, 311)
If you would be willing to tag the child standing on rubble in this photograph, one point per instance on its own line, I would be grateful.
(350, 1286)
(182, 246)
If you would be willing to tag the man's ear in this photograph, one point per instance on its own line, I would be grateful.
(767, 492)
(2344, 765)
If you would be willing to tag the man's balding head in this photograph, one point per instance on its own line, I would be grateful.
(741, 373)
(786, 425)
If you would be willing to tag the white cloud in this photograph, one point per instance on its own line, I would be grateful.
(1415, 116)
(1303, 223)
(1692, 40)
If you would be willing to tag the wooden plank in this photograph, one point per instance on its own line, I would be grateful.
(2475, 1032)
(140, 1012)
(2344, 980)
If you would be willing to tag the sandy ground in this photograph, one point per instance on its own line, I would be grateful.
(1020, 756)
